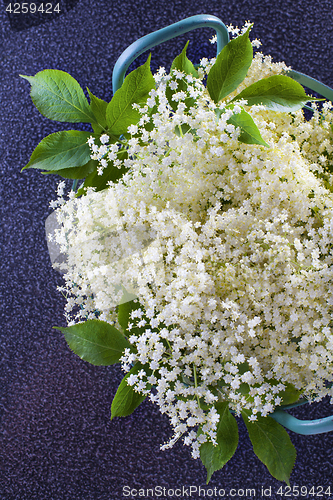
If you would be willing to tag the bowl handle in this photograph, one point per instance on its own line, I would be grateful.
(305, 427)
(312, 84)
(162, 35)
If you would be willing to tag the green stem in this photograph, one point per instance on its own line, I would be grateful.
(168, 344)
(196, 383)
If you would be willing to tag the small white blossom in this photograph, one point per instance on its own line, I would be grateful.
(104, 139)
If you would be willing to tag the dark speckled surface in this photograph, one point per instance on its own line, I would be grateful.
(57, 441)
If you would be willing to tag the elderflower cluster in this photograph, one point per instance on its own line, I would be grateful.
(227, 248)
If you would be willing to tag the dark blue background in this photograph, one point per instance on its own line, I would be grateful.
(57, 441)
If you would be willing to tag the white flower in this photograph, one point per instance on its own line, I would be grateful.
(173, 85)
(178, 74)
(256, 43)
(132, 129)
(104, 139)
(132, 379)
(226, 245)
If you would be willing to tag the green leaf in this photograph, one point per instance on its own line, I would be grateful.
(110, 173)
(58, 96)
(65, 149)
(250, 133)
(182, 129)
(98, 108)
(215, 457)
(126, 399)
(272, 445)
(135, 89)
(278, 92)
(182, 63)
(290, 395)
(149, 126)
(230, 68)
(128, 304)
(125, 309)
(76, 172)
(95, 341)
(182, 86)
